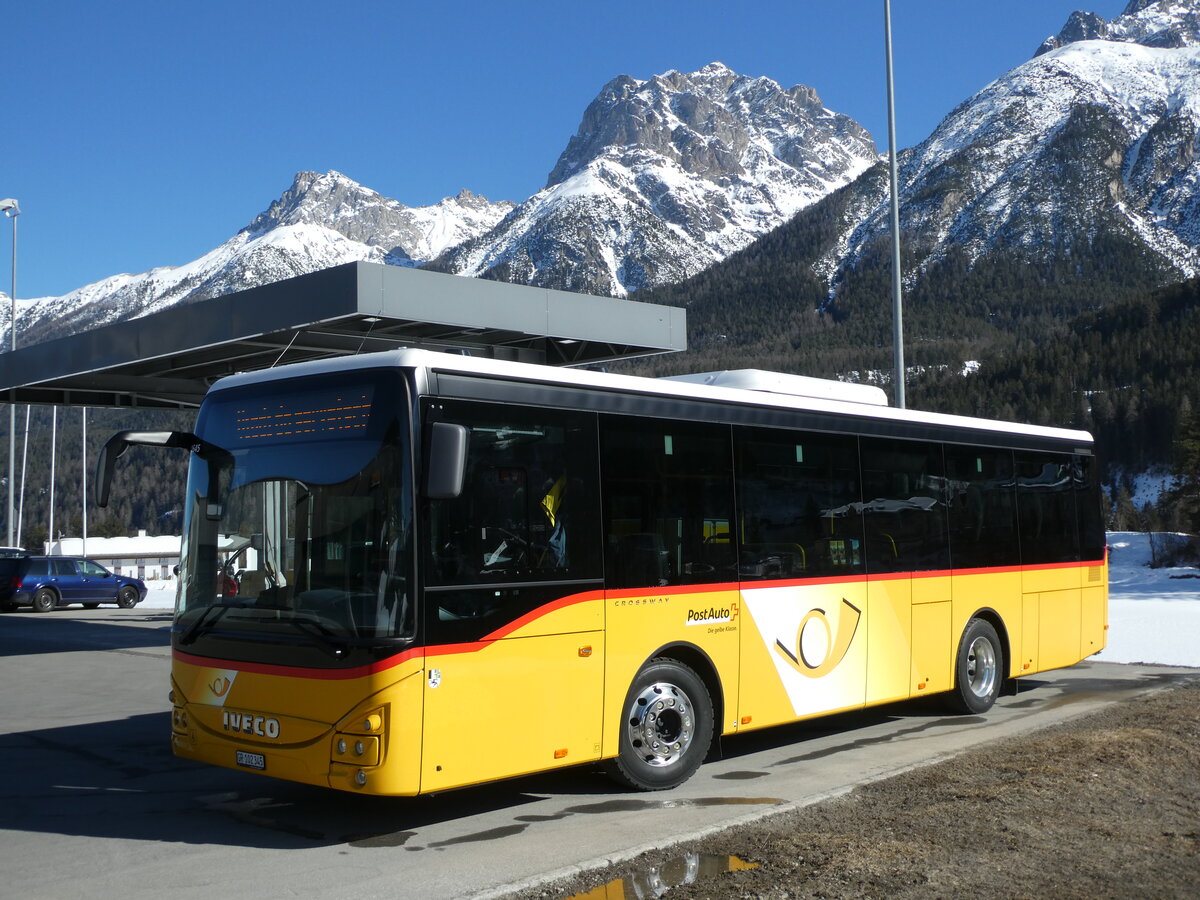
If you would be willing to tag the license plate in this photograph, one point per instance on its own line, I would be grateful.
(251, 760)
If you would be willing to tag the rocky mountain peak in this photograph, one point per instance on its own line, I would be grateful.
(704, 121)
(665, 176)
(316, 199)
(1151, 23)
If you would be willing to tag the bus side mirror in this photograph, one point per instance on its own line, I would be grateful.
(446, 461)
(116, 446)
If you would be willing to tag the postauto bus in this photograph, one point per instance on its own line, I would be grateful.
(452, 570)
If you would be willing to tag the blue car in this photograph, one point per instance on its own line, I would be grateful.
(48, 582)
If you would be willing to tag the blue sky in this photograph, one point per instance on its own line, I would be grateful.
(138, 134)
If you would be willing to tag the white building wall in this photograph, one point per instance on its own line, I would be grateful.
(150, 558)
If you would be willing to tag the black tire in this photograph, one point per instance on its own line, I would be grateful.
(127, 598)
(8, 607)
(666, 727)
(978, 669)
(44, 600)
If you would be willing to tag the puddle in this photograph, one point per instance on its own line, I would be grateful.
(657, 880)
(616, 806)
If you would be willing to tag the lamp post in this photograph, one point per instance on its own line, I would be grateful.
(12, 209)
(897, 303)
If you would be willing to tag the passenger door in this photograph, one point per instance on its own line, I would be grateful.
(513, 611)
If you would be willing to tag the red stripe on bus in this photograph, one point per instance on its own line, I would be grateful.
(545, 609)
(301, 671)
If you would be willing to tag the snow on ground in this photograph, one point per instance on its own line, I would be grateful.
(1153, 614)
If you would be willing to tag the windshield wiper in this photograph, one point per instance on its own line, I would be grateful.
(205, 622)
(322, 635)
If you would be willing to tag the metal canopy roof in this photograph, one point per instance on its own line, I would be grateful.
(168, 359)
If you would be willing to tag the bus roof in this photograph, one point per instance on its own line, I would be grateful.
(858, 401)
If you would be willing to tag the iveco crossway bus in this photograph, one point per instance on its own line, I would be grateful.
(407, 572)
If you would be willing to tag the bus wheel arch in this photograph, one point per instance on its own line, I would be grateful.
(667, 723)
(980, 659)
(994, 618)
(700, 663)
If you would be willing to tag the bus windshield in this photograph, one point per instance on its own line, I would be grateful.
(299, 518)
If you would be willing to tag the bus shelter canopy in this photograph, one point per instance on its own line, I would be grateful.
(168, 359)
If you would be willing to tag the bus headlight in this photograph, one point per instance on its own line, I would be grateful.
(356, 750)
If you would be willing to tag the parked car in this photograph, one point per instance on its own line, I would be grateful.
(13, 552)
(48, 582)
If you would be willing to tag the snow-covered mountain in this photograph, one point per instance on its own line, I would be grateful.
(320, 221)
(667, 176)
(1151, 23)
(1094, 137)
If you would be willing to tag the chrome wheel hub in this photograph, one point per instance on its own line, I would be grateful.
(661, 724)
(981, 667)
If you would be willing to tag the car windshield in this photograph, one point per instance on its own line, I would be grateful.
(298, 516)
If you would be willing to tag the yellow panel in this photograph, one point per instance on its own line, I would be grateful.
(931, 588)
(507, 708)
(1094, 634)
(889, 631)
(812, 640)
(1030, 629)
(762, 699)
(640, 625)
(1059, 629)
(998, 591)
(1042, 579)
(932, 649)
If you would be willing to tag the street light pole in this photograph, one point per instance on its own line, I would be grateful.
(12, 209)
(897, 302)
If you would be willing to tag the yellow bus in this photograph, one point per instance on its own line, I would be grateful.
(411, 571)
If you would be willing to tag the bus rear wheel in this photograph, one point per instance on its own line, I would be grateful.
(666, 729)
(978, 668)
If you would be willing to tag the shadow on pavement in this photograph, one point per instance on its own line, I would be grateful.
(118, 779)
(69, 630)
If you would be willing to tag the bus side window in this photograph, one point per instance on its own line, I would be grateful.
(527, 510)
(668, 503)
(798, 504)
(1046, 508)
(983, 509)
(1091, 517)
(904, 506)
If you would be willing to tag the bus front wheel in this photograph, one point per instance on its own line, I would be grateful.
(666, 729)
(978, 668)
